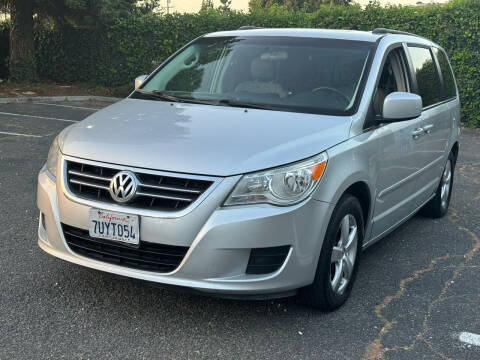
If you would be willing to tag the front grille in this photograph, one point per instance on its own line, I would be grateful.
(155, 192)
(147, 256)
(267, 260)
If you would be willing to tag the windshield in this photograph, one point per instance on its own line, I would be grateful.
(322, 76)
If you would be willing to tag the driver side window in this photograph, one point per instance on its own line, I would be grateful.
(392, 79)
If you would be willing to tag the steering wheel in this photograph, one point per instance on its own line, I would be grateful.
(339, 94)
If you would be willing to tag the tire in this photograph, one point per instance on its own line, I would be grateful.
(437, 207)
(329, 290)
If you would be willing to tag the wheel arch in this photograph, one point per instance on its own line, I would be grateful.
(355, 185)
(454, 150)
(361, 191)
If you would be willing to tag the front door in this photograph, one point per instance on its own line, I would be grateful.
(398, 151)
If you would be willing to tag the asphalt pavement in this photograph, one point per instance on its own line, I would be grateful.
(417, 294)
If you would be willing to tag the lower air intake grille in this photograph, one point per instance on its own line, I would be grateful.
(267, 260)
(148, 256)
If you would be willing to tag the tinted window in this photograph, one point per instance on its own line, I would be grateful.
(427, 76)
(448, 81)
(282, 73)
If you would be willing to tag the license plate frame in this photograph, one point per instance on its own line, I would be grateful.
(114, 226)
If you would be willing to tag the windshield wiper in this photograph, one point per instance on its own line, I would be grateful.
(224, 102)
(228, 102)
(167, 97)
(159, 95)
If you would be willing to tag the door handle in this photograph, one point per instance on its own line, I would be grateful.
(428, 128)
(417, 132)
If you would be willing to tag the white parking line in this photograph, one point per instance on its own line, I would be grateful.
(38, 117)
(469, 338)
(70, 106)
(17, 134)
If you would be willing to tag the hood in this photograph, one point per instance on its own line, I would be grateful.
(200, 139)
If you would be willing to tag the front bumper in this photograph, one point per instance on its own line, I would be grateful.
(219, 240)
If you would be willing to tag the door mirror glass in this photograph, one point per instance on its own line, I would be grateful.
(139, 80)
(399, 106)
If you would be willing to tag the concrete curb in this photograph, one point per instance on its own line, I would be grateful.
(58, 98)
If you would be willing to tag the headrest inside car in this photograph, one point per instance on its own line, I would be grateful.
(262, 69)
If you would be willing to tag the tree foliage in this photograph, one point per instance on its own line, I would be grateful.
(206, 5)
(225, 5)
(61, 13)
(90, 12)
(295, 5)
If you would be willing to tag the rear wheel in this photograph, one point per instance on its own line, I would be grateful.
(438, 206)
(339, 258)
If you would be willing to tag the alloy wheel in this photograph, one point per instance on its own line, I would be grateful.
(445, 185)
(344, 253)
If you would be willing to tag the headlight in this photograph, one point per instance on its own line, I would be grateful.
(53, 157)
(285, 185)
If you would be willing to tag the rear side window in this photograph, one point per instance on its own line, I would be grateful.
(447, 74)
(426, 73)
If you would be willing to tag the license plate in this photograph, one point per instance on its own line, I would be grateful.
(114, 226)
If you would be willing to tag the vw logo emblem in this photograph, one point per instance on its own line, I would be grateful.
(123, 186)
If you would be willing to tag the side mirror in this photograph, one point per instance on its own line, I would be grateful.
(139, 80)
(400, 106)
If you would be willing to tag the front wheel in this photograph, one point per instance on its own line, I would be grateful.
(339, 257)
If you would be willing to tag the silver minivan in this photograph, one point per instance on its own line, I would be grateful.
(257, 163)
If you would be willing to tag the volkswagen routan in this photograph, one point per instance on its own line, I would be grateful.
(257, 163)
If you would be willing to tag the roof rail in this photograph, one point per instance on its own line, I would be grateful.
(249, 27)
(390, 31)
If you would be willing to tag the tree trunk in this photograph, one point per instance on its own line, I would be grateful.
(22, 47)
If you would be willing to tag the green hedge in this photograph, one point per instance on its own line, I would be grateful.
(116, 53)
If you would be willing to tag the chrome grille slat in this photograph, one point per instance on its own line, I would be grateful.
(169, 188)
(157, 190)
(90, 176)
(84, 183)
(139, 193)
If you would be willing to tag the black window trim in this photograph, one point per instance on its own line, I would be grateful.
(445, 98)
(439, 74)
(413, 78)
